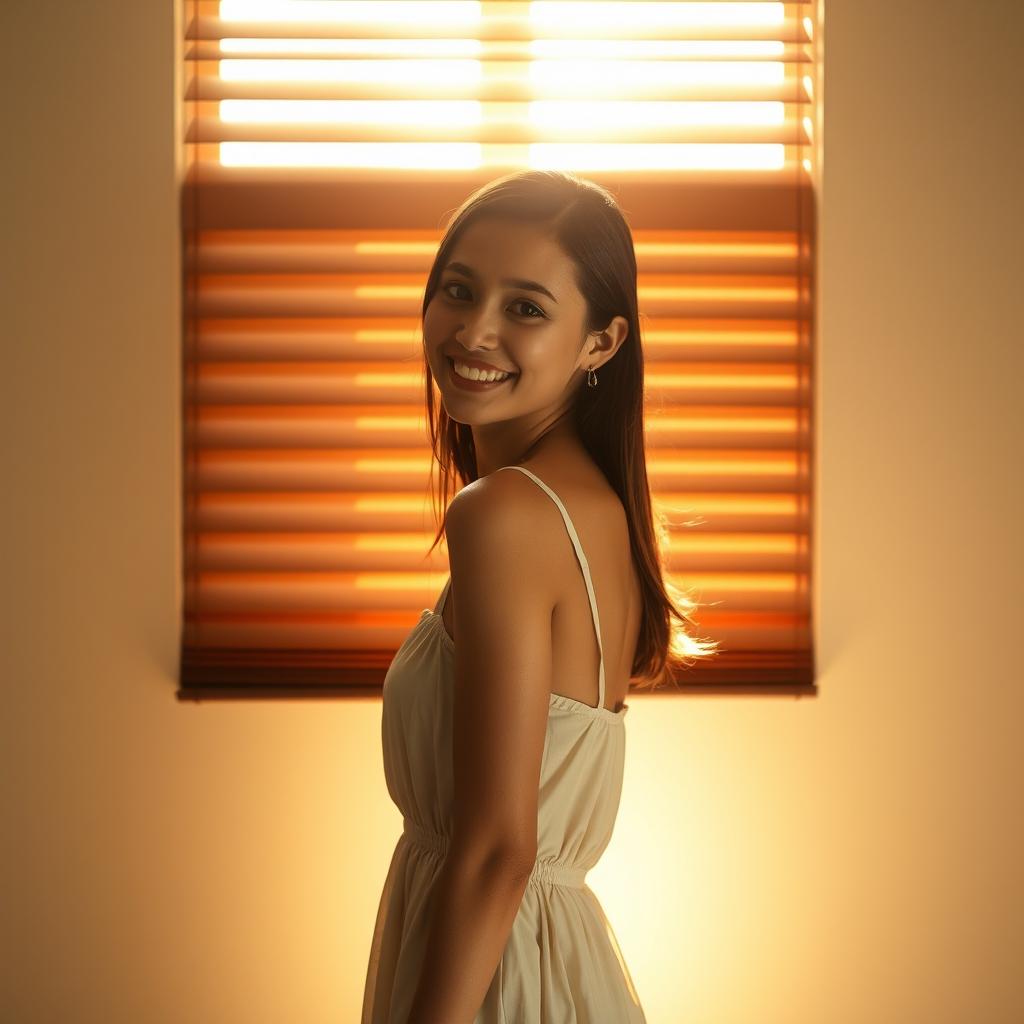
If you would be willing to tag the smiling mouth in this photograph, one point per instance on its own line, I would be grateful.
(509, 374)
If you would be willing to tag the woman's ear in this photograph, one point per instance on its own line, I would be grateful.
(608, 340)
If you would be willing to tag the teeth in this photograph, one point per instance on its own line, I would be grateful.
(471, 373)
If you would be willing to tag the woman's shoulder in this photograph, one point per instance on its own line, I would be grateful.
(508, 498)
(576, 480)
(506, 518)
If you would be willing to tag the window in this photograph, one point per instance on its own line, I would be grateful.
(326, 142)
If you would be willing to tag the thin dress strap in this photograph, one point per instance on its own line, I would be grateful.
(586, 572)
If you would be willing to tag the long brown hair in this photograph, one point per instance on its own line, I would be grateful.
(585, 221)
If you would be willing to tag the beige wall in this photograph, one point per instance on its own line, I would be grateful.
(850, 859)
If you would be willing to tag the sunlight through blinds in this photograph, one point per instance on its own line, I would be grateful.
(325, 144)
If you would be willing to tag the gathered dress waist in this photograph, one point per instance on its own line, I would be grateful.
(552, 872)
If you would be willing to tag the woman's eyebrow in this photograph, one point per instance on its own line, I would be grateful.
(515, 282)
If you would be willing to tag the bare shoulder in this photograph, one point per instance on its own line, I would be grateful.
(506, 516)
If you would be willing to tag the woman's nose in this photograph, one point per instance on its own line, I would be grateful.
(477, 325)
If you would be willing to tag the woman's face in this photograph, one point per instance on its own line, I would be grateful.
(484, 312)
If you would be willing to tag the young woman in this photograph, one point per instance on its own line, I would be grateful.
(504, 708)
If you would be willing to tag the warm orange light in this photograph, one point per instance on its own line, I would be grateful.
(400, 581)
(588, 77)
(742, 582)
(390, 542)
(719, 248)
(388, 291)
(392, 379)
(448, 13)
(391, 465)
(655, 336)
(556, 16)
(439, 113)
(761, 465)
(386, 503)
(398, 248)
(449, 74)
(736, 292)
(655, 49)
(732, 381)
(375, 424)
(561, 115)
(671, 505)
(412, 155)
(691, 156)
(733, 543)
(784, 425)
(354, 47)
(380, 336)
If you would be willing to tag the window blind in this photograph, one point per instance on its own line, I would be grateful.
(325, 143)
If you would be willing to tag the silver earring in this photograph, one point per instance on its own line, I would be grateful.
(591, 378)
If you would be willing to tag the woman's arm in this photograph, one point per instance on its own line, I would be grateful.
(502, 537)
(476, 902)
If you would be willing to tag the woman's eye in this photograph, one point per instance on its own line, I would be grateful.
(519, 302)
(523, 302)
